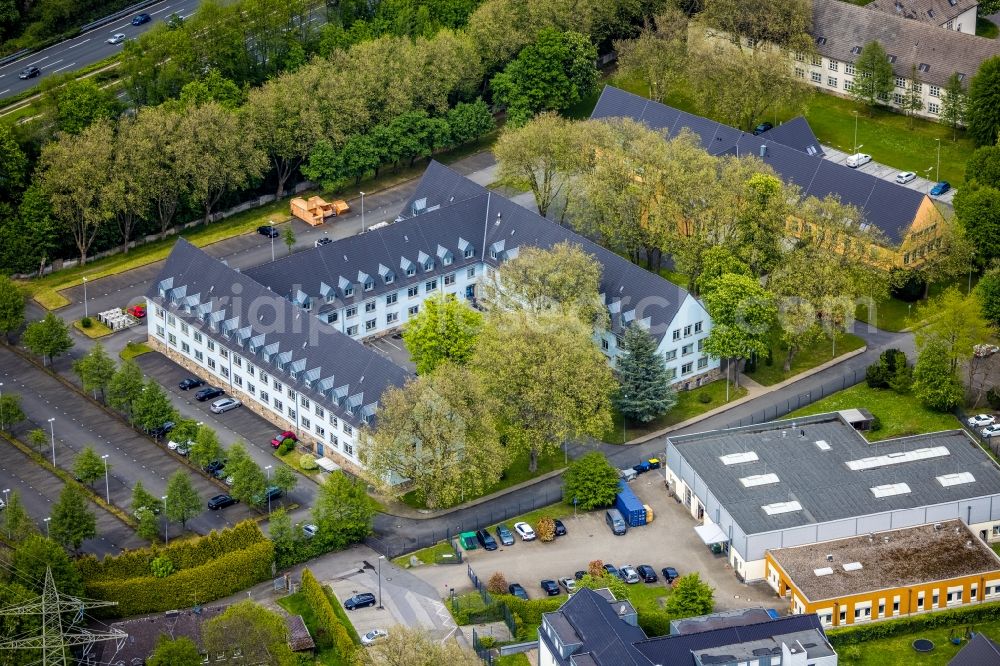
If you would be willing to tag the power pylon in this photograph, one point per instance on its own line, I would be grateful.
(55, 638)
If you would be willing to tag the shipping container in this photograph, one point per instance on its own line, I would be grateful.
(629, 505)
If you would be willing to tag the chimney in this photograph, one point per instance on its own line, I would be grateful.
(763, 150)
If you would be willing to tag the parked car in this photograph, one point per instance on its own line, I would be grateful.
(628, 574)
(310, 530)
(161, 431)
(905, 177)
(560, 528)
(858, 159)
(215, 466)
(208, 393)
(517, 591)
(190, 383)
(486, 540)
(550, 586)
(221, 502)
(505, 535)
(224, 405)
(373, 636)
(325, 240)
(360, 601)
(991, 431)
(173, 446)
(524, 531)
(981, 420)
(268, 230)
(139, 19)
(568, 584)
(139, 510)
(279, 439)
(580, 574)
(184, 449)
(940, 188)
(763, 127)
(669, 574)
(611, 569)
(270, 494)
(29, 72)
(137, 311)
(116, 38)
(647, 573)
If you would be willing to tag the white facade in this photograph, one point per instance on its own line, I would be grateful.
(964, 22)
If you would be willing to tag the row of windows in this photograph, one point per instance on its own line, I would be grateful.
(411, 270)
(688, 368)
(391, 299)
(897, 98)
(688, 330)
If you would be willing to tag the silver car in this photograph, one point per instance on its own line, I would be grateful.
(905, 177)
(225, 404)
(116, 38)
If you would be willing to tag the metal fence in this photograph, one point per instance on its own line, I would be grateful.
(799, 400)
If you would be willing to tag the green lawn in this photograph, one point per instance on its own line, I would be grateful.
(898, 650)
(426, 555)
(890, 315)
(133, 349)
(986, 28)
(519, 659)
(816, 354)
(901, 415)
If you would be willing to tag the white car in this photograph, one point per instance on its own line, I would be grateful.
(310, 530)
(225, 404)
(905, 177)
(628, 574)
(568, 584)
(373, 636)
(981, 420)
(524, 531)
(857, 159)
(991, 431)
(116, 38)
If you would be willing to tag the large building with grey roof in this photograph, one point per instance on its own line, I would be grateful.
(815, 479)
(958, 15)
(286, 338)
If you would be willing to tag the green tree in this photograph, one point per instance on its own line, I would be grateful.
(149, 526)
(591, 482)
(206, 447)
(984, 166)
(285, 538)
(36, 553)
(717, 261)
(407, 646)
(143, 499)
(13, 165)
(74, 104)
(180, 651)
(125, 388)
(38, 438)
(553, 74)
(445, 329)
(954, 104)
(982, 113)
(913, 98)
(72, 520)
(48, 337)
(284, 479)
(742, 315)
(183, 502)
(691, 596)
(289, 238)
(935, 381)
(10, 410)
(152, 408)
(954, 320)
(95, 370)
(546, 379)
(249, 481)
(873, 81)
(469, 121)
(438, 433)
(259, 635)
(988, 292)
(213, 87)
(786, 24)
(978, 210)
(603, 580)
(645, 392)
(186, 430)
(343, 511)
(88, 466)
(17, 524)
(658, 55)
(11, 304)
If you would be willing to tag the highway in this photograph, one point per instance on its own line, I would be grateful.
(90, 47)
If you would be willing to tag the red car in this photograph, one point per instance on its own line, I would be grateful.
(137, 311)
(282, 436)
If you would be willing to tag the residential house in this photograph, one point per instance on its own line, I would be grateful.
(957, 15)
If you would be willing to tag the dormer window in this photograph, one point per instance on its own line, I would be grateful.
(493, 253)
(369, 285)
(447, 260)
(469, 253)
(429, 265)
(389, 278)
(411, 271)
(348, 292)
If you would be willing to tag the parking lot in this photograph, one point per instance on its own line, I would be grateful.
(669, 540)
(392, 347)
(921, 183)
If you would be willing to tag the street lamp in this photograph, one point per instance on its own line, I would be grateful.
(271, 234)
(166, 523)
(52, 429)
(267, 490)
(46, 521)
(1, 406)
(362, 212)
(85, 314)
(855, 132)
(938, 172)
(380, 558)
(6, 503)
(107, 486)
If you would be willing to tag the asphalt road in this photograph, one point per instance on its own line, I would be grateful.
(90, 47)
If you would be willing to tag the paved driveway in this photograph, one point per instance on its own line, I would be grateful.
(924, 171)
(393, 348)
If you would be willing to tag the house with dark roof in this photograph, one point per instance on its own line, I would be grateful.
(957, 15)
(594, 629)
(286, 337)
(816, 479)
(907, 219)
(979, 651)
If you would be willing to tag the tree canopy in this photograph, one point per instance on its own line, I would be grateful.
(590, 482)
(444, 329)
(982, 113)
(873, 81)
(645, 391)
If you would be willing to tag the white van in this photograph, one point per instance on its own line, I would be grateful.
(857, 159)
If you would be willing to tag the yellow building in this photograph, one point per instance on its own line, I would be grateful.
(886, 574)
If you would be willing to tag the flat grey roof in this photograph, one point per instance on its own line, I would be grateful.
(818, 477)
(895, 558)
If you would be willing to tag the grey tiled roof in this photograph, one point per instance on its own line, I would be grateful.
(292, 345)
(796, 133)
(840, 27)
(589, 621)
(979, 651)
(888, 206)
(820, 480)
(934, 12)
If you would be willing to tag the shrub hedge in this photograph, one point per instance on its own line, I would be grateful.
(528, 614)
(330, 632)
(908, 625)
(223, 575)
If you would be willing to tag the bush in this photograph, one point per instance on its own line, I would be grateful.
(993, 397)
(162, 567)
(704, 398)
(529, 613)
(330, 631)
(497, 583)
(307, 462)
(546, 529)
(596, 568)
(286, 447)
(590, 481)
(876, 424)
(487, 642)
(86, 322)
(986, 612)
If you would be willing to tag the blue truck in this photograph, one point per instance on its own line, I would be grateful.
(629, 505)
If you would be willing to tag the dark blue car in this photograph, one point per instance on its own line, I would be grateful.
(940, 188)
(486, 540)
(139, 19)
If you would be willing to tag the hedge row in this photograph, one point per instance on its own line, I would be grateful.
(222, 576)
(186, 554)
(528, 614)
(908, 625)
(330, 632)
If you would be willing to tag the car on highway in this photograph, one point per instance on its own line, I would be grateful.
(280, 438)
(669, 573)
(647, 573)
(208, 393)
(981, 420)
(905, 177)
(858, 159)
(517, 591)
(524, 531)
(940, 188)
(190, 383)
(550, 586)
(560, 528)
(628, 574)
(116, 38)
(29, 72)
(310, 530)
(505, 536)
(373, 636)
(991, 431)
(568, 584)
(325, 240)
(221, 502)
(486, 540)
(763, 127)
(223, 405)
(360, 601)
(268, 230)
(139, 19)
(137, 311)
